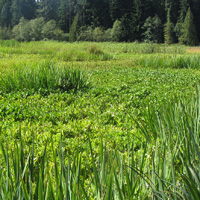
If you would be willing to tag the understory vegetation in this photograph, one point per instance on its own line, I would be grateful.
(99, 121)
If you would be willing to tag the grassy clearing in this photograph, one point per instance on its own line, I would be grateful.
(133, 134)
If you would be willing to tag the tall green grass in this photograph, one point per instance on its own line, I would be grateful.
(44, 77)
(169, 61)
(9, 43)
(142, 48)
(176, 129)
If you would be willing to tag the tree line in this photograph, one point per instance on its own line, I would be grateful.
(157, 21)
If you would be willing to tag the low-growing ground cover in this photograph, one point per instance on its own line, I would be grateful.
(130, 94)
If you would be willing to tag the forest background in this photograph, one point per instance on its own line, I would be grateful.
(155, 21)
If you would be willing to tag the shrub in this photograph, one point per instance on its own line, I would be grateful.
(93, 49)
(85, 34)
(48, 30)
(98, 34)
(36, 28)
(22, 31)
(5, 33)
(116, 31)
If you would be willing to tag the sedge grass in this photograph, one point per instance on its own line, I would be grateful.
(169, 61)
(45, 77)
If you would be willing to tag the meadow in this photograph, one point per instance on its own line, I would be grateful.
(99, 121)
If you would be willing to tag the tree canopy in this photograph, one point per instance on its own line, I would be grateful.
(141, 20)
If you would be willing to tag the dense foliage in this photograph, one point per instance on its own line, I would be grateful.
(99, 121)
(101, 20)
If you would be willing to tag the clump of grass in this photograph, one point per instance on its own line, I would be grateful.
(44, 78)
(169, 61)
(93, 53)
(9, 43)
(176, 159)
(93, 49)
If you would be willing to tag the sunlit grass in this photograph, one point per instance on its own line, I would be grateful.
(133, 134)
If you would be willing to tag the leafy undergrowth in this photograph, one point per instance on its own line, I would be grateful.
(164, 166)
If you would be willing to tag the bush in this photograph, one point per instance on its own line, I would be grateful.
(98, 34)
(36, 26)
(48, 31)
(107, 35)
(22, 31)
(116, 31)
(93, 49)
(85, 34)
(5, 33)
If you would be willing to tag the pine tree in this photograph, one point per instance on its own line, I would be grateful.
(63, 16)
(47, 9)
(153, 30)
(16, 12)
(168, 30)
(183, 11)
(188, 31)
(74, 29)
(5, 14)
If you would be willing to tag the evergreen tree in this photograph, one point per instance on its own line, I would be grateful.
(114, 9)
(183, 10)
(5, 14)
(188, 31)
(168, 30)
(47, 9)
(74, 29)
(195, 7)
(16, 12)
(28, 9)
(153, 30)
(63, 16)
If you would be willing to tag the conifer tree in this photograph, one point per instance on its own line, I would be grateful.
(168, 30)
(183, 11)
(188, 31)
(5, 14)
(74, 29)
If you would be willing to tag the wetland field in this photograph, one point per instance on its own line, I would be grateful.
(99, 121)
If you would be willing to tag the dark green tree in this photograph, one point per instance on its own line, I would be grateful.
(153, 30)
(47, 9)
(5, 13)
(188, 31)
(183, 10)
(195, 7)
(168, 30)
(74, 29)
(16, 12)
(63, 16)
(114, 9)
